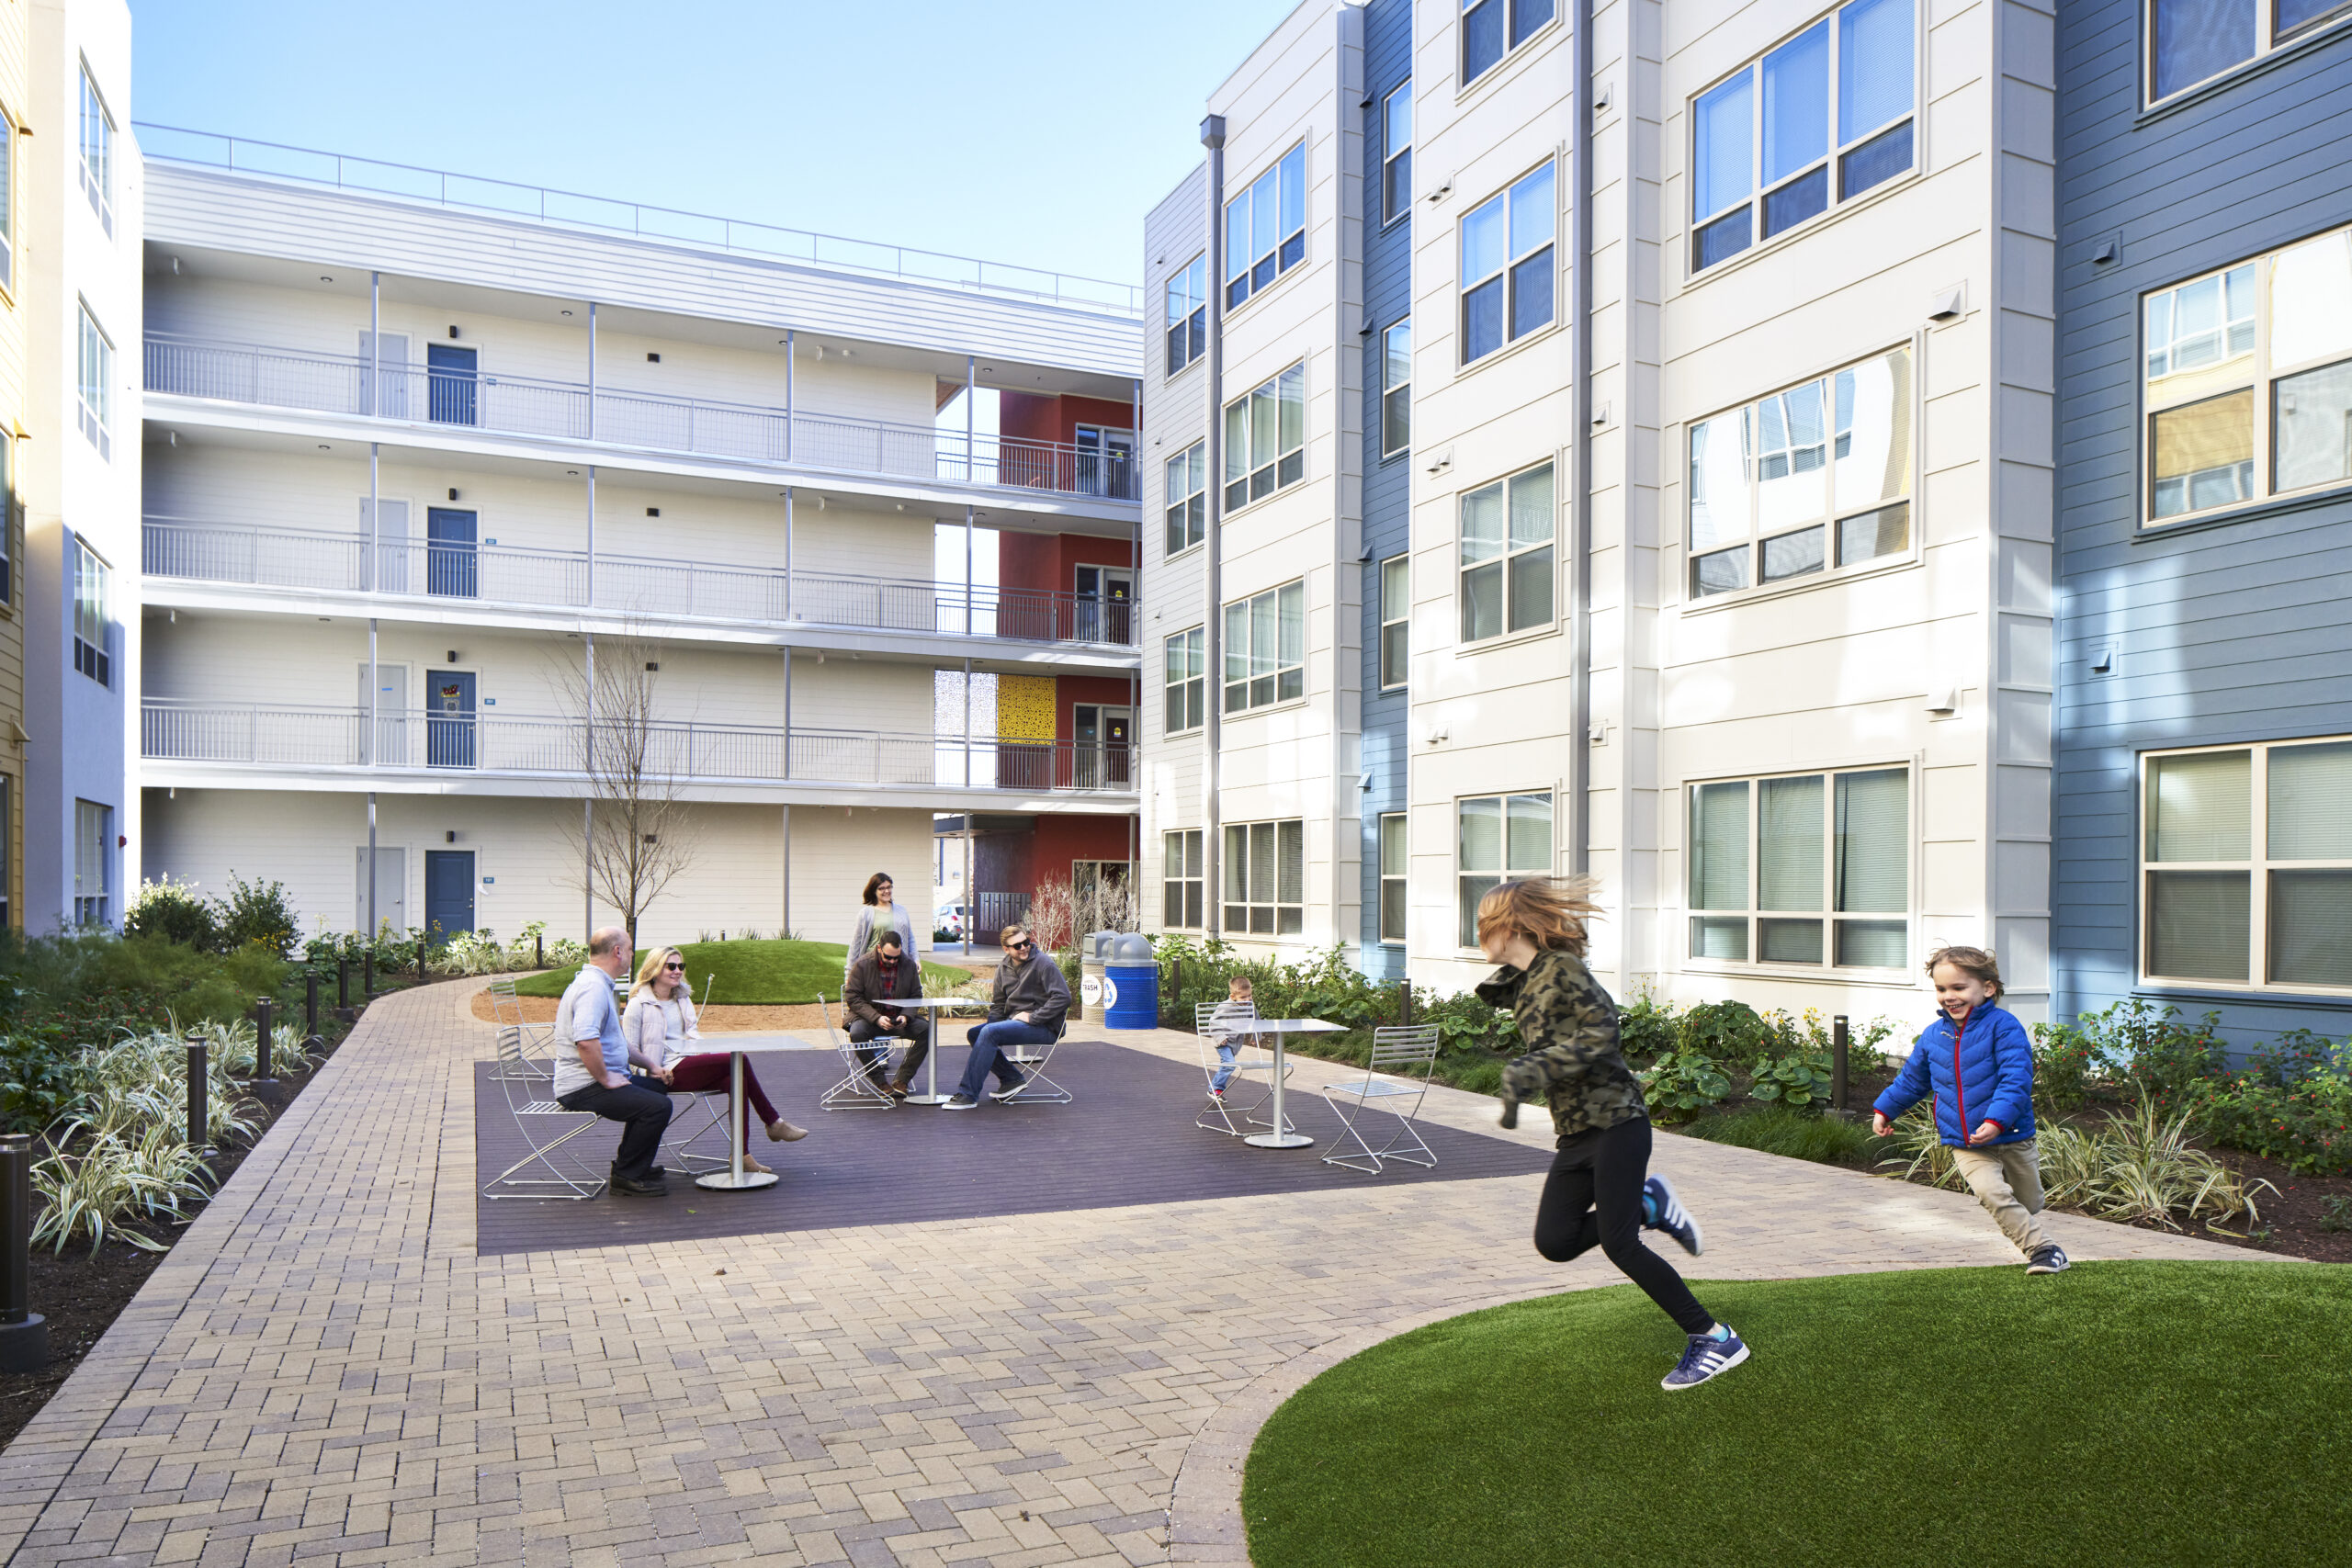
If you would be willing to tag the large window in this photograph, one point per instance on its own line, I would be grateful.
(1187, 492)
(1395, 621)
(2249, 380)
(1265, 228)
(7, 207)
(1811, 869)
(97, 151)
(2191, 41)
(1188, 313)
(1396, 152)
(1818, 121)
(7, 842)
(2247, 866)
(1812, 479)
(1265, 648)
(1265, 878)
(92, 854)
(1187, 680)
(1181, 881)
(1397, 389)
(1265, 439)
(1392, 865)
(97, 386)
(90, 617)
(1492, 29)
(1499, 838)
(1507, 558)
(1507, 271)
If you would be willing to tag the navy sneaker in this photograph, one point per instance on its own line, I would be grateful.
(1671, 1217)
(959, 1102)
(2048, 1260)
(1002, 1095)
(1703, 1357)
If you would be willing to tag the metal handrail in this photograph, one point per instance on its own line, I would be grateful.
(572, 411)
(190, 549)
(575, 209)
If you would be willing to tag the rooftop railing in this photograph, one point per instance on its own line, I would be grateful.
(448, 570)
(572, 209)
(568, 410)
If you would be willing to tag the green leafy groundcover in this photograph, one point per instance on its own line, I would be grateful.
(771, 973)
(2122, 1412)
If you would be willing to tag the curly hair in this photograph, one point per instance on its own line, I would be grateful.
(1972, 961)
(1551, 913)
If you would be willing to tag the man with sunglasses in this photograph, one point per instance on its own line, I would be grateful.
(1027, 1009)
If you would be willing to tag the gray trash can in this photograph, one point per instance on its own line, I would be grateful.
(1093, 949)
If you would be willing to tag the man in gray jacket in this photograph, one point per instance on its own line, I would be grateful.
(1031, 1000)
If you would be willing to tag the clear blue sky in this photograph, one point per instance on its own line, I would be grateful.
(1037, 133)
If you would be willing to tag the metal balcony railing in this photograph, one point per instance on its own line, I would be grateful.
(197, 551)
(445, 742)
(524, 405)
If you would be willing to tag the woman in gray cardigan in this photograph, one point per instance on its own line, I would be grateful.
(880, 914)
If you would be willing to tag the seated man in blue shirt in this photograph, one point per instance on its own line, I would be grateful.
(595, 1077)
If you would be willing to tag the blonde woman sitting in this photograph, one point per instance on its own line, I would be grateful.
(661, 1032)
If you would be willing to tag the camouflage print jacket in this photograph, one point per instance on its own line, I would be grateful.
(1571, 1025)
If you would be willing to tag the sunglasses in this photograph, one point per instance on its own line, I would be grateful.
(678, 966)
(1021, 946)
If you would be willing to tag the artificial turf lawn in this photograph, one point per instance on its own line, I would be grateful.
(771, 973)
(2118, 1414)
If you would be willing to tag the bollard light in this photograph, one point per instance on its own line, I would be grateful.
(343, 982)
(24, 1333)
(264, 1017)
(1838, 1061)
(310, 1004)
(367, 976)
(199, 1112)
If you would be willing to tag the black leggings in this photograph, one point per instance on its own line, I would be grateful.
(1593, 1197)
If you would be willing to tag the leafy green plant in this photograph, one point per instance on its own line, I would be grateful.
(1826, 1140)
(1723, 1031)
(2139, 1166)
(1799, 1080)
(174, 911)
(2335, 1213)
(2067, 1062)
(2293, 1105)
(1681, 1084)
(257, 912)
(1646, 1026)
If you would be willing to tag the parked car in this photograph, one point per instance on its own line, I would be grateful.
(947, 921)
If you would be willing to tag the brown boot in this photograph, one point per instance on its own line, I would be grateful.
(900, 1088)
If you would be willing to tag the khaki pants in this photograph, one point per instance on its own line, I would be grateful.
(2006, 1178)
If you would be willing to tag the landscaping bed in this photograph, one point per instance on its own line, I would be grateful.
(764, 972)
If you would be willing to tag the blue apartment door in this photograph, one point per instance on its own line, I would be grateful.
(448, 893)
(449, 382)
(449, 553)
(449, 718)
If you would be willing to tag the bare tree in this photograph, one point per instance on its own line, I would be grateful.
(635, 835)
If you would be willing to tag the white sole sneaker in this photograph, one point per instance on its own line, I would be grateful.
(1674, 1209)
(1709, 1373)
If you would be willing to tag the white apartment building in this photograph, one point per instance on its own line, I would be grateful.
(435, 466)
(1728, 476)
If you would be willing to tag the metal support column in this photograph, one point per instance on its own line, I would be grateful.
(1212, 574)
(592, 536)
(375, 343)
(791, 353)
(592, 370)
(968, 726)
(787, 549)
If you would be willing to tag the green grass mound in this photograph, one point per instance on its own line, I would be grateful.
(2123, 1413)
(1777, 1130)
(771, 973)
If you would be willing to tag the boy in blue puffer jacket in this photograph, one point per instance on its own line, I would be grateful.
(1977, 1062)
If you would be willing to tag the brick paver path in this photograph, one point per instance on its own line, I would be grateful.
(323, 1370)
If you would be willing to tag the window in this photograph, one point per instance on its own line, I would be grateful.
(1397, 389)
(2247, 866)
(1769, 129)
(8, 838)
(1396, 152)
(1187, 680)
(1393, 863)
(1265, 878)
(2192, 41)
(1507, 575)
(97, 386)
(1811, 479)
(90, 623)
(93, 849)
(1188, 313)
(1265, 228)
(1265, 439)
(1501, 838)
(1492, 29)
(1188, 502)
(7, 203)
(1395, 621)
(7, 535)
(97, 152)
(1812, 869)
(1181, 881)
(2249, 380)
(1265, 648)
(1506, 272)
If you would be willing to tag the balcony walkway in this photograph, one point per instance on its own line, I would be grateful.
(328, 1368)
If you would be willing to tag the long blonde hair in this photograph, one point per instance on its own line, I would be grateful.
(650, 970)
(1549, 913)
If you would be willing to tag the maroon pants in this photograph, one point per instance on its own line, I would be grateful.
(708, 1071)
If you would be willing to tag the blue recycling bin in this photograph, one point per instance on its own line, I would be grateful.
(1133, 975)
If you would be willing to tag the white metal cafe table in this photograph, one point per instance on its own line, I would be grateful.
(935, 1006)
(1281, 1137)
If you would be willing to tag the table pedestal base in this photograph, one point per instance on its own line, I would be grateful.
(727, 1182)
(1279, 1141)
(927, 1099)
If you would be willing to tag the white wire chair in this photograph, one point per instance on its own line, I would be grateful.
(1394, 1083)
(858, 1090)
(1250, 1056)
(679, 1137)
(536, 1059)
(528, 1114)
(1036, 1088)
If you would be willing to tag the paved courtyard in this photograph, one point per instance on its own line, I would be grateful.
(326, 1370)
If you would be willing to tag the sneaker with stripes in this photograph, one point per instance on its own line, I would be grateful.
(1665, 1212)
(1703, 1357)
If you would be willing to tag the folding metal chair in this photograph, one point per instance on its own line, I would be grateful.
(858, 1091)
(1407, 1056)
(1038, 1089)
(527, 1113)
(536, 1062)
(679, 1136)
(1249, 1056)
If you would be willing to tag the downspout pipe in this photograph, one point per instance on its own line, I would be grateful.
(1580, 499)
(1212, 574)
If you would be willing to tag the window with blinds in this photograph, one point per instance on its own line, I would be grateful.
(2247, 866)
(1180, 880)
(1265, 878)
(1499, 839)
(1265, 648)
(1809, 869)
(1393, 868)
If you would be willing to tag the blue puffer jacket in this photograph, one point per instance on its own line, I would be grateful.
(1981, 1071)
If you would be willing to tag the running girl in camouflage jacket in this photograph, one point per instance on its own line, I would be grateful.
(1599, 1191)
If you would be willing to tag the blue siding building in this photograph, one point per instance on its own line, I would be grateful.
(2203, 797)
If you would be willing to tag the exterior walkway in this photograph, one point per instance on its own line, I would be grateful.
(324, 1370)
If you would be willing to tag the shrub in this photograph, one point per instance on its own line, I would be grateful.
(2138, 1165)
(1723, 1031)
(1646, 1026)
(2067, 1061)
(1681, 1084)
(1799, 1079)
(172, 911)
(1826, 1140)
(255, 911)
(2292, 1104)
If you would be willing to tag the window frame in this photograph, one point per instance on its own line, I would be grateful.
(1831, 163)
(1184, 694)
(1465, 910)
(1462, 570)
(1507, 275)
(1395, 161)
(1400, 822)
(8, 212)
(96, 173)
(102, 844)
(97, 422)
(1241, 865)
(1399, 392)
(1194, 501)
(1244, 648)
(1187, 334)
(1287, 464)
(7, 530)
(1283, 172)
(1828, 917)
(94, 659)
(1515, 39)
(2267, 41)
(2259, 868)
(1181, 848)
(1397, 617)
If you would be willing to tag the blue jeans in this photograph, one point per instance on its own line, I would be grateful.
(1227, 1049)
(990, 1042)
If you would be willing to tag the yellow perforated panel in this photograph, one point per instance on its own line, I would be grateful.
(1024, 707)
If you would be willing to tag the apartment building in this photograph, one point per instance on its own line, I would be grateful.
(2204, 789)
(1666, 393)
(494, 538)
(16, 44)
